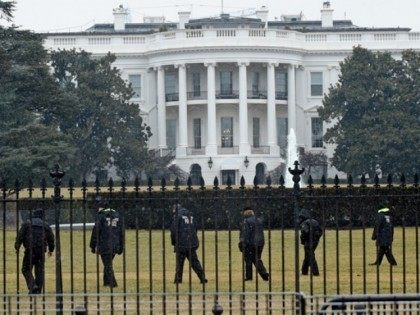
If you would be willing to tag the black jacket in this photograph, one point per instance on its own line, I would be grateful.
(310, 232)
(35, 233)
(183, 231)
(383, 232)
(107, 235)
(252, 232)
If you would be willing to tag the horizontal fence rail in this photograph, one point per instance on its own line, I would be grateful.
(145, 269)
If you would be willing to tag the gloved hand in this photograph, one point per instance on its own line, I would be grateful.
(120, 251)
(93, 250)
(241, 246)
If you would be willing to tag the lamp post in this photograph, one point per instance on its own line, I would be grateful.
(296, 172)
(57, 175)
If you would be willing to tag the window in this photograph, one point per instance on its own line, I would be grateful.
(135, 81)
(255, 83)
(281, 85)
(197, 133)
(170, 87)
(195, 174)
(260, 173)
(282, 132)
(256, 132)
(316, 124)
(196, 84)
(228, 174)
(316, 84)
(227, 132)
(226, 82)
(171, 133)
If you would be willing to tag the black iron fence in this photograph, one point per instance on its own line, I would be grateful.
(145, 269)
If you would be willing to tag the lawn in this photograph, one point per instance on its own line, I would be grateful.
(158, 276)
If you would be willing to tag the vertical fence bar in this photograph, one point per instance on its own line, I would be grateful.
(283, 276)
(57, 175)
(97, 198)
(404, 206)
(324, 239)
(362, 193)
(110, 241)
(242, 196)
(270, 287)
(163, 190)
(124, 210)
(71, 190)
(43, 200)
(216, 239)
(137, 214)
(229, 197)
(17, 191)
(150, 190)
(391, 281)
(255, 197)
(416, 209)
(177, 251)
(350, 193)
(203, 240)
(84, 201)
(311, 233)
(3, 193)
(337, 235)
(190, 218)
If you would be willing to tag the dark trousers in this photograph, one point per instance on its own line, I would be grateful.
(195, 265)
(310, 260)
(253, 256)
(385, 250)
(34, 258)
(109, 277)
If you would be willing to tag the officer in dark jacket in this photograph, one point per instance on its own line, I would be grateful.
(251, 244)
(36, 236)
(310, 234)
(383, 234)
(107, 240)
(185, 241)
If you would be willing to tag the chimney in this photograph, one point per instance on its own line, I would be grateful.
(327, 15)
(120, 18)
(262, 13)
(184, 18)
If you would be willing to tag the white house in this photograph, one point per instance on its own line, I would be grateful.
(221, 93)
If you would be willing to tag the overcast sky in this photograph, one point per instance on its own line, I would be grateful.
(75, 15)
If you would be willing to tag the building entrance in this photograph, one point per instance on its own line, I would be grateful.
(228, 173)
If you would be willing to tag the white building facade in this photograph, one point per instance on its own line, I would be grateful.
(222, 94)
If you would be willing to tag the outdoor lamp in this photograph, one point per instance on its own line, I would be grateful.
(246, 161)
(210, 163)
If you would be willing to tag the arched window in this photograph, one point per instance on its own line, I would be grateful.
(195, 174)
(260, 173)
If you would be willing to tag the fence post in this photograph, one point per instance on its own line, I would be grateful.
(57, 175)
(296, 172)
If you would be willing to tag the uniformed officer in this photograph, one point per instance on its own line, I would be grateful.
(310, 234)
(107, 240)
(36, 236)
(383, 234)
(251, 244)
(185, 241)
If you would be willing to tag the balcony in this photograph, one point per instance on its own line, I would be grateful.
(196, 151)
(257, 95)
(197, 95)
(172, 97)
(234, 94)
(165, 152)
(228, 150)
(260, 150)
(281, 96)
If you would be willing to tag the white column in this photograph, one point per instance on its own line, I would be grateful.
(291, 97)
(211, 147)
(161, 108)
(271, 110)
(244, 147)
(181, 149)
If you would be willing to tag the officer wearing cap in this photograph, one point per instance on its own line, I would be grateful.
(383, 234)
(36, 236)
(310, 234)
(107, 240)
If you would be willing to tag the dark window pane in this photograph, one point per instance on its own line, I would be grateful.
(227, 132)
